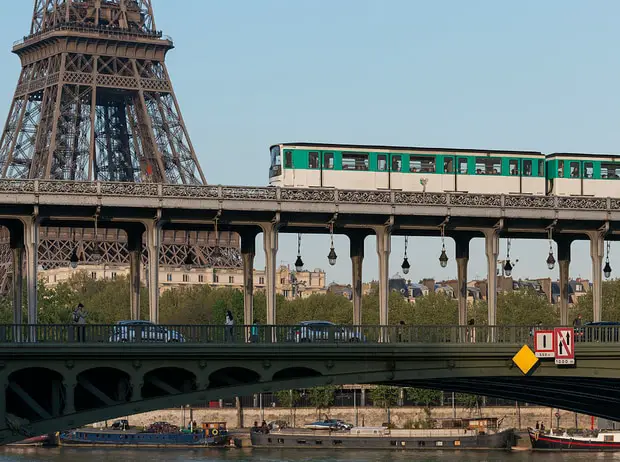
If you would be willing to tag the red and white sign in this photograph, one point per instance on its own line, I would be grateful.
(543, 344)
(564, 341)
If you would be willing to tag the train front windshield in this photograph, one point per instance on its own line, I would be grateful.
(276, 162)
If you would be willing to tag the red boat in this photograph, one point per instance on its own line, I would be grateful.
(604, 440)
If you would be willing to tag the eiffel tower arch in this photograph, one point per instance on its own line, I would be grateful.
(94, 102)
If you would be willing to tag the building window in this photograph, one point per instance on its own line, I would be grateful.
(93, 275)
(282, 281)
(261, 281)
(186, 278)
(54, 278)
(169, 277)
(216, 278)
(231, 279)
(201, 278)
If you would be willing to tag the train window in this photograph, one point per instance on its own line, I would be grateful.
(421, 164)
(328, 160)
(447, 165)
(527, 168)
(611, 171)
(288, 159)
(560, 169)
(588, 170)
(397, 163)
(276, 162)
(313, 160)
(488, 166)
(382, 162)
(541, 168)
(354, 161)
(513, 167)
(463, 165)
(574, 169)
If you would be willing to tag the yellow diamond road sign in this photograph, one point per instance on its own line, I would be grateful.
(525, 359)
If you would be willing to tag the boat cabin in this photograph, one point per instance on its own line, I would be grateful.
(214, 428)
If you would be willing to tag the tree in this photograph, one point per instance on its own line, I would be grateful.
(322, 398)
(386, 397)
(469, 402)
(424, 396)
(290, 399)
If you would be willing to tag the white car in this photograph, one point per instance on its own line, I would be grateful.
(144, 331)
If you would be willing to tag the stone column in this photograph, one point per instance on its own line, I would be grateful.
(564, 263)
(31, 237)
(69, 385)
(270, 244)
(384, 238)
(248, 252)
(18, 249)
(134, 245)
(153, 243)
(491, 239)
(356, 242)
(462, 259)
(597, 252)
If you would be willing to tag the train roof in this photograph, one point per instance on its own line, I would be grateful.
(576, 155)
(407, 148)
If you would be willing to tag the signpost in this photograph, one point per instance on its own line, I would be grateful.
(543, 344)
(563, 343)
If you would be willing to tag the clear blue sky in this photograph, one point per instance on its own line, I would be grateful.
(475, 74)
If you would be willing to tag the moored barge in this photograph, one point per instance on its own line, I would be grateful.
(591, 441)
(470, 434)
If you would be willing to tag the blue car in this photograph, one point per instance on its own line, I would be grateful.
(144, 331)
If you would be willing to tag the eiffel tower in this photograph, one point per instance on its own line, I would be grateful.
(94, 102)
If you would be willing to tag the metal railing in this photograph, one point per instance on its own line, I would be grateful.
(289, 334)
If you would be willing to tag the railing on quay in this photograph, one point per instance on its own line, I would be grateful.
(290, 334)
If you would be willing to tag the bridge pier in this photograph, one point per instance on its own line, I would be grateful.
(248, 252)
(31, 240)
(270, 244)
(597, 252)
(491, 240)
(564, 263)
(69, 396)
(384, 246)
(18, 250)
(356, 242)
(153, 232)
(462, 259)
(134, 245)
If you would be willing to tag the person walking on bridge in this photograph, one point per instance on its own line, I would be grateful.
(79, 319)
(230, 322)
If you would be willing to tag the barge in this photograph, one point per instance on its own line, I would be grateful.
(462, 434)
(591, 441)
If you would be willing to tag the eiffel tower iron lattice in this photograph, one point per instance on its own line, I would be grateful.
(94, 101)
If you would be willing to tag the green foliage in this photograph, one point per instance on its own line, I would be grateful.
(518, 308)
(288, 398)
(470, 402)
(425, 397)
(322, 398)
(385, 396)
(610, 305)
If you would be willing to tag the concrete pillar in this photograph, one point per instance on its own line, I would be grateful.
(356, 242)
(248, 252)
(597, 252)
(134, 245)
(18, 249)
(153, 243)
(69, 396)
(462, 259)
(31, 238)
(564, 263)
(491, 239)
(270, 244)
(384, 240)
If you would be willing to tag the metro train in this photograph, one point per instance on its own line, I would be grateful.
(366, 167)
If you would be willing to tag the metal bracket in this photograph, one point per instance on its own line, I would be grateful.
(552, 226)
(444, 222)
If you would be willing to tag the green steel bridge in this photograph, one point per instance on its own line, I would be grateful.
(60, 377)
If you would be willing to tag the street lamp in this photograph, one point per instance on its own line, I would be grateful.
(443, 258)
(550, 258)
(406, 266)
(607, 268)
(508, 265)
(331, 257)
(299, 263)
(74, 259)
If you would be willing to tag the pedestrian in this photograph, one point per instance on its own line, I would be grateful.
(401, 331)
(79, 319)
(472, 330)
(577, 322)
(254, 333)
(542, 427)
(537, 425)
(230, 322)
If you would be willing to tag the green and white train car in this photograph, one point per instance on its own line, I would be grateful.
(406, 168)
(570, 174)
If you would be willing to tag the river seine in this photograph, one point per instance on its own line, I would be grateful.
(249, 455)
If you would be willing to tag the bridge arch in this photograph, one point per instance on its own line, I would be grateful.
(35, 393)
(101, 387)
(166, 381)
(290, 373)
(232, 376)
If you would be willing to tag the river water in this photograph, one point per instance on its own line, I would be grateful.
(294, 455)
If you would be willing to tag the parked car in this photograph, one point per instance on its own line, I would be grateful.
(324, 331)
(330, 424)
(144, 331)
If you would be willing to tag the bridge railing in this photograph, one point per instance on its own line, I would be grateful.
(290, 334)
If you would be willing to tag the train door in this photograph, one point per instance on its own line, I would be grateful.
(516, 175)
(314, 174)
(575, 170)
(382, 175)
(396, 171)
(448, 174)
(460, 174)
